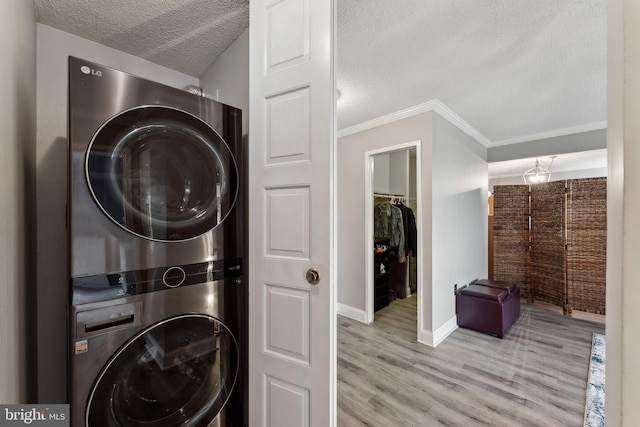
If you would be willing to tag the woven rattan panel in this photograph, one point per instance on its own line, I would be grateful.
(587, 244)
(548, 280)
(511, 235)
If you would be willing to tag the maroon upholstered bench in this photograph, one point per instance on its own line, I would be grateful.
(511, 287)
(488, 306)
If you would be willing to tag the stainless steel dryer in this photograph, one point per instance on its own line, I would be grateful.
(154, 176)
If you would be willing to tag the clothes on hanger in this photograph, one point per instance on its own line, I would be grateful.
(387, 219)
(410, 229)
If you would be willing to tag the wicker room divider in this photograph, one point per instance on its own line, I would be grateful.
(547, 256)
(587, 244)
(551, 241)
(511, 236)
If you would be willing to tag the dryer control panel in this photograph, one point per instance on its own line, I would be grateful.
(103, 287)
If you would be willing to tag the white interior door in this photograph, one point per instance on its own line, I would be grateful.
(291, 321)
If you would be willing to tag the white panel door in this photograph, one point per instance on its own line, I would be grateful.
(291, 147)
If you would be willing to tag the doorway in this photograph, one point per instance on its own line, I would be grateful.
(393, 177)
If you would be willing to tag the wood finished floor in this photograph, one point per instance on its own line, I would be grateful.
(535, 376)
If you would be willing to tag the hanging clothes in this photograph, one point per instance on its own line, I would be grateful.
(387, 220)
(410, 230)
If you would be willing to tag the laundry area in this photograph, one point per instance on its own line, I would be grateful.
(157, 291)
(139, 292)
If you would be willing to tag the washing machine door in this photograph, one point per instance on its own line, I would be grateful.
(161, 173)
(179, 372)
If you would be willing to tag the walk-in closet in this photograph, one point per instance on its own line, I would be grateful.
(394, 240)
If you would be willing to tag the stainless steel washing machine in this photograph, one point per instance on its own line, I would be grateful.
(169, 358)
(154, 176)
(157, 302)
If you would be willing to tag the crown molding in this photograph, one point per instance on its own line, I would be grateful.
(553, 133)
(435, 105)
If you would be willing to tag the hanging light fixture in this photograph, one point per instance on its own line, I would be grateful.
(537, 174)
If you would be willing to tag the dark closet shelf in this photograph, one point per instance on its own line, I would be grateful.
(381, 280)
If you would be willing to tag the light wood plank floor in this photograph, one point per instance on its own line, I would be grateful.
(535, 376)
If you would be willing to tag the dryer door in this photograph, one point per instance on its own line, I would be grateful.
(161, 173)
(179, 372)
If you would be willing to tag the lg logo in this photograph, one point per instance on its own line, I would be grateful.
(89, 70)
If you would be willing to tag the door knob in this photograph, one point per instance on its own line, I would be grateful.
(313, 276)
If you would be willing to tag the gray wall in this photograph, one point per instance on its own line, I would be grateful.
(573, 143)
(454, 210)
(459, 215)
(17, 127)
(381, 170)
(351, 199)
(390, 172)
(228, 78)
(54, 47)
(399, 172)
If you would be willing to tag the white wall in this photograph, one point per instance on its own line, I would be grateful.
(227, 79)
(53, 49)
(459, 216)
(17, 126)
(623, 209)
(351, 200)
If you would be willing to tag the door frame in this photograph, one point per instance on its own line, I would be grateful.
(368, 244)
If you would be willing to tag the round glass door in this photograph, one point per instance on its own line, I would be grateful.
(161, 173)
(179, 372)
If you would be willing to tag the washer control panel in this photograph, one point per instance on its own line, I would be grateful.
(117, 285)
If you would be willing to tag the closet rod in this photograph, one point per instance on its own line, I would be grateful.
(387, 195)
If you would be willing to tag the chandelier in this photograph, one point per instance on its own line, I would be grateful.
(537, 174)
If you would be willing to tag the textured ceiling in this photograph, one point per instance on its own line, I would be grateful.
(510, 68)
(184, 35)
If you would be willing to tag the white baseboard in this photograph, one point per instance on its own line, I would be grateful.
(352, 313)
(432, 339)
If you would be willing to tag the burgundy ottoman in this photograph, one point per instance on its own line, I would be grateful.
(511, 287)
(489, 309)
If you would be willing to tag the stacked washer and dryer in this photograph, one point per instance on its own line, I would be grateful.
(158, 304)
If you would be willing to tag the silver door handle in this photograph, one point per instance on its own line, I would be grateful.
(313, 276)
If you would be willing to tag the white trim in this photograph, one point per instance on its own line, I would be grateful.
(448, 114)
(551, 134)
(368, 234)
(368, 243)
(435, 105)
(333, 266)
(432, 339)
(460, 123)
(421, 219)
(426, 337)
(352, 313)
